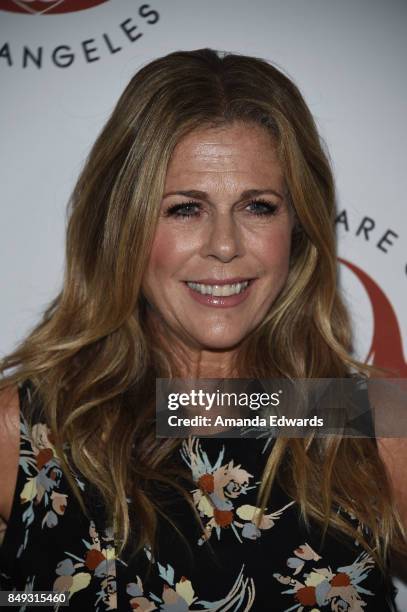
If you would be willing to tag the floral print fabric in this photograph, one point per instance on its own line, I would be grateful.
(220, 495)
(226, 563)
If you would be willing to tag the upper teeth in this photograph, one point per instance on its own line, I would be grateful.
(219, 290)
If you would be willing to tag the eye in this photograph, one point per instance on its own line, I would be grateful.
(184, 210)
(191, 209)
(263, 207)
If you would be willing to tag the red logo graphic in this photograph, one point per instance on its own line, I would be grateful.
(40, 7)
(386, 349)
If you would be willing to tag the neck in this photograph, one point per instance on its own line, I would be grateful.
(189, 361)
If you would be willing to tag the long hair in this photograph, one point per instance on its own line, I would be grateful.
(93, 359)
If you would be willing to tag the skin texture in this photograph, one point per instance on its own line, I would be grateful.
(9, 448)
(223, 239)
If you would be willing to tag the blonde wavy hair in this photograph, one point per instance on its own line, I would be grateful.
(93, 358)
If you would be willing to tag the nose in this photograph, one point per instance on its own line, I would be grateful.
(222, 238)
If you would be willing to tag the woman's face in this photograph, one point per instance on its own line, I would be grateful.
(222, 246)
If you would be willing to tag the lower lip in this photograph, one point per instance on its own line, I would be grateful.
(220, 301)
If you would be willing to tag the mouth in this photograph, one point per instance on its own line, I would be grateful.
(223, 288)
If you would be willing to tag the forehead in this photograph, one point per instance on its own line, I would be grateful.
(239, 151)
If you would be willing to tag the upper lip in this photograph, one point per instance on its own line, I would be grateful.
(224, 281)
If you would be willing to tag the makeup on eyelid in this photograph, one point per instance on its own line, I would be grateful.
(221, 249)
(270, 208)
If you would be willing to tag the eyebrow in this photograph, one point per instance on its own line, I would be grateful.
(202, 195)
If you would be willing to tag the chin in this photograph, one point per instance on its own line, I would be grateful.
(223, 342)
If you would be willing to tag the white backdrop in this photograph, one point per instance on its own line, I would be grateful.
(62, 72)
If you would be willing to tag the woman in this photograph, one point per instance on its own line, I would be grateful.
(200, 245)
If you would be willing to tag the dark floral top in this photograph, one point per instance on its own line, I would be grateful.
(227, 564)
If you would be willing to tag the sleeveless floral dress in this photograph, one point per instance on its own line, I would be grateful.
(225, 564)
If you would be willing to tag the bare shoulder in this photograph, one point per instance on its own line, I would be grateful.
(9, 447)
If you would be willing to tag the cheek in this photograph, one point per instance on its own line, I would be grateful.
(274, 252)
(163, 252)
(169, 251)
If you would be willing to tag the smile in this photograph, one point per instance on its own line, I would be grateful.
(219, 290)
(222, 294)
